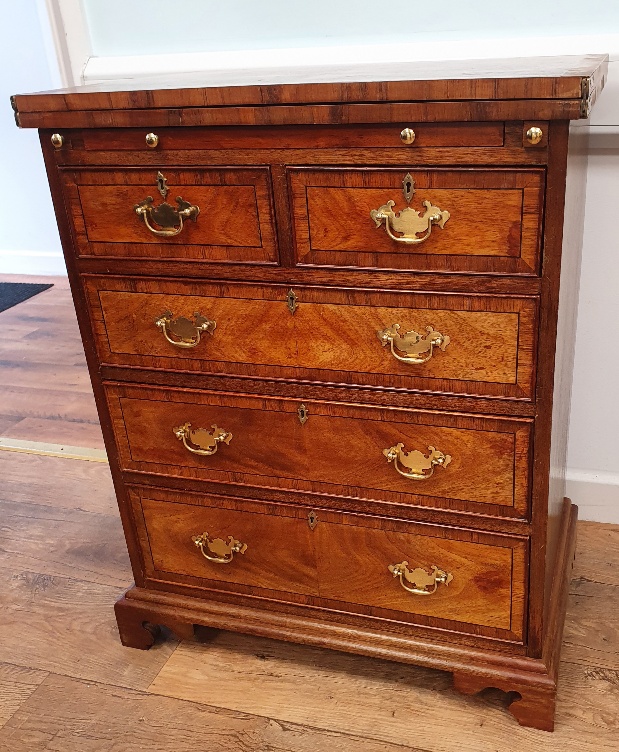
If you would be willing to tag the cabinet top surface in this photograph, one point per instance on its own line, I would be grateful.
(570, 83)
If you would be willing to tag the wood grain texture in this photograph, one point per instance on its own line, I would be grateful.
(427, 135)
(310, 114)
(494, 224)
(316, 457)
(344, 559)
(65, 535)
(74, 715)
(38, 633)
(16, 686)
(567, 89)
(46, 391)
(331, 338)
(235, 221)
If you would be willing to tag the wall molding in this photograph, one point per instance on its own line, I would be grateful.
(595, 493)
(39, 263)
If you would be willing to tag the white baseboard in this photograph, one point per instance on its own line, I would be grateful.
(595, 494)
(38, 263)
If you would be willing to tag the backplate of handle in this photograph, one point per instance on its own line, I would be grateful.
(219, 550)
(182, 332)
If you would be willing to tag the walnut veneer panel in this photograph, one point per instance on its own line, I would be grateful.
(331, 338)
(341, 563)
(338, 451)
(235, 222)
(495, 222)
(280, 552)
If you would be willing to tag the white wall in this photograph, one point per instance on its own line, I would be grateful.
(204, 26)
(29, 240)
(243, 41)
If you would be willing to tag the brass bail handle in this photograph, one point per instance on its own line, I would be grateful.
(200, 440)
(219, 550)
(410, 223)
(419, 581)
(182, 332)
(167, 217)
(415, 348)
(415, 464)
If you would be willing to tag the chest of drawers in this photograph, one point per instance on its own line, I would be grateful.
(330, 331)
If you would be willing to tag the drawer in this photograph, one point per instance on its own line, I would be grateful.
(229, 215)
(407, 572)
(444, 220)
(449, 343)
(398, 456)
(364, 136)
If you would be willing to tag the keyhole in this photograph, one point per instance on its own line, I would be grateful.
(312, 520)
(408, 187)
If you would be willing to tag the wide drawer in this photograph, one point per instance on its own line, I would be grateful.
(429, 575)
(445, 220)
(449, 343)
(228, 213)
(399, 456)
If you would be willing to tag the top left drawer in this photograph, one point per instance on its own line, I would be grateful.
(214, 214)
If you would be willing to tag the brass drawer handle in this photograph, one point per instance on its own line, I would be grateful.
(182, 332)
(169, 218)
(201, 441)
(417, 347)
(409, 222)
(223, 550)
(422, 583)
(418, 466)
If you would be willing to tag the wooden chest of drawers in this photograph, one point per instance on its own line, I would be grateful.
(329, 328)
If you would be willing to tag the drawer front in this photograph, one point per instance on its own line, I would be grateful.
(450, 343)
(399, 456)
(361, 136)
(424, 574)
(229, 213)
(466, 220)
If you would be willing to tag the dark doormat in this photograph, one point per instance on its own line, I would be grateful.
(12, 293)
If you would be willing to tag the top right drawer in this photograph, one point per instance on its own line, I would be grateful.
(443, 220)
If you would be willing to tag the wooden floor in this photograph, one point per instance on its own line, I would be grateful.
(67, 685)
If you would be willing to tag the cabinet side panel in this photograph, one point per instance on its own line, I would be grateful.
(85, 326)
(566, 334)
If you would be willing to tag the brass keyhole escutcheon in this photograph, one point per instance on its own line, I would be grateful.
(292, 301)
(535, 135)
(407, 136)
(408, 187)
(57, 140)
(152, 139)
(303, 414)
(312, 519)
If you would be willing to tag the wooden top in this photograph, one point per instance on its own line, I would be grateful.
(544, 87)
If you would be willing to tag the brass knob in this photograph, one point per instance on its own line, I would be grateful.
(534, 135)
(152, 139)
(57, 140)
(407, 136)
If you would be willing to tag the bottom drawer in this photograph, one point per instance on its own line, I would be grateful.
(430, 575)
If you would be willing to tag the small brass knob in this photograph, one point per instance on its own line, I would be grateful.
(57, 140)
(534, 135)
(407, 136)
(152, 139)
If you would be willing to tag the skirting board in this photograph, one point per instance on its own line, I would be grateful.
(595, 493)
(39, 263)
